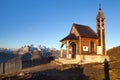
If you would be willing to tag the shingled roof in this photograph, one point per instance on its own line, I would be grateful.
(83, 31)
(70, 37)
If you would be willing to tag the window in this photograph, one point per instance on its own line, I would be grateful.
(92, 46)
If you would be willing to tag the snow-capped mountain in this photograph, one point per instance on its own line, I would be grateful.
(38, 48)
(42, 48)
(32, 51)
(33, 48)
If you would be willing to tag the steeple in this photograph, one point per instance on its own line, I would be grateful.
(100, 13)
(99, 6)
(101, 30)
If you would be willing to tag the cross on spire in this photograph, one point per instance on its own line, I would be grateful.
(99, 6)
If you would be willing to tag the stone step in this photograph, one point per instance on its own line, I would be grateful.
(56, 62)
(67, 61)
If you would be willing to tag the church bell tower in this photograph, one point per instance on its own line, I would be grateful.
(101, 30)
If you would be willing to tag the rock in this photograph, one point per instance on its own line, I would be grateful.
(21, 74)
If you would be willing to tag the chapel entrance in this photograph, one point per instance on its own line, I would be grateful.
(73, 50)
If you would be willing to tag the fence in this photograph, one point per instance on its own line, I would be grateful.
(16, 64)
(1, 68)
(13, 65)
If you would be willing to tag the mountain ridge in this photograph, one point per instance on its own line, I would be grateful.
(28, 52)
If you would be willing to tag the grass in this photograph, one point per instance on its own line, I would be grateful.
(114, 54)
(115, 74)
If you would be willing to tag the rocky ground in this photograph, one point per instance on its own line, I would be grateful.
(64, 72)
(70, 72)
(58, 72)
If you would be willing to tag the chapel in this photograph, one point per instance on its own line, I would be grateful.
(84, 44)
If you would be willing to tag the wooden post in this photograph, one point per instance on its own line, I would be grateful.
(67, 48)
(80, 46)
(105, 36)
(20, 61)
(76, 48)
(2, 68)
(106, 70)
(60, 52)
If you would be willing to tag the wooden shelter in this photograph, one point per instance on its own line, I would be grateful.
(81, 40)
(84, 44)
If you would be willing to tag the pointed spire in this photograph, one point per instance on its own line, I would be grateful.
(100, 13)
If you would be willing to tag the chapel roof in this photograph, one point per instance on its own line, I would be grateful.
(70, 37)
(83, 31)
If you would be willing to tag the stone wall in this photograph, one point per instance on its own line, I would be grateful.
(91, 58)
(83, 59)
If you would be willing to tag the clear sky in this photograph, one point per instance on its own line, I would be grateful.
(25, 22)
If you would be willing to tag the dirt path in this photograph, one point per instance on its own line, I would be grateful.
(42, 67)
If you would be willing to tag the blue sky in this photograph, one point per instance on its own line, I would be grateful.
(25, 22)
